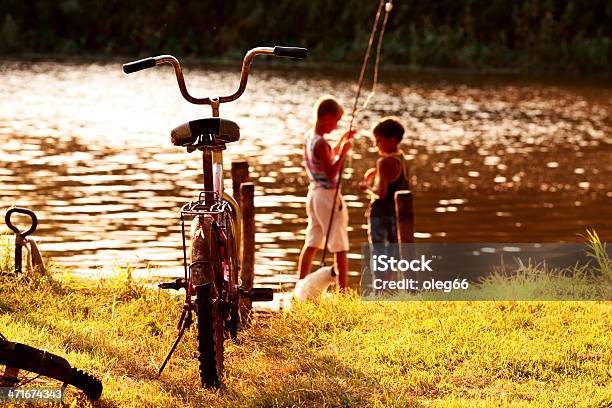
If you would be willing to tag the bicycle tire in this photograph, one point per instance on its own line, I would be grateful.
(207, 277)
(31, 359)
(210, 337)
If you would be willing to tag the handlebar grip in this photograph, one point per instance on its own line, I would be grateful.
(291, 52)
(138, 65)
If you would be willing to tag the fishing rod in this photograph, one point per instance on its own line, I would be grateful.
(388, 7)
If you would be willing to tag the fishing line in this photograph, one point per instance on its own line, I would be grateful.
(388, 6)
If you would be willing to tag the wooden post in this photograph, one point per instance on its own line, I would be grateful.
(247, 272)
(240, 174)
(405, 217)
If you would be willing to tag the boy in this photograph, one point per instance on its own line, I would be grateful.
(323, 163)
(389, 176)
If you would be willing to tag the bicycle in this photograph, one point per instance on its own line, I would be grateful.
(214, 254)
(17, 357)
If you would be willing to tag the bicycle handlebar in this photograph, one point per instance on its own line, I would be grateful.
(138, 65)
(291, 52)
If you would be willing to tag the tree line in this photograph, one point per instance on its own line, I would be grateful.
(525, 35)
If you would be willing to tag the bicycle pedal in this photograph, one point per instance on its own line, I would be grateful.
(179, 283)
(261, 295)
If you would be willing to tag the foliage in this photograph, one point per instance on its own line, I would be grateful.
(597, 251)
(7, 255)
(528, 35)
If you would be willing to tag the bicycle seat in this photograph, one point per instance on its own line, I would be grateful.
(205, 132)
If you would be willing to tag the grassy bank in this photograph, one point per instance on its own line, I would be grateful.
(342, 352)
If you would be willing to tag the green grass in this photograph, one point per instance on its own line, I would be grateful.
(337, 352)
(341, 352)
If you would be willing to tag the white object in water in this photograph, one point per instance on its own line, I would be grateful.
(315, 284)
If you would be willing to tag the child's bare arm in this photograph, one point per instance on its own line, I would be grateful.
(368, 180)
(369, 175)
(383, 169)
(324, 153)
(345, 137)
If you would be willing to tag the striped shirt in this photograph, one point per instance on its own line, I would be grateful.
(316, 175)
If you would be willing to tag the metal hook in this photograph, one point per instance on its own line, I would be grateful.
(24, 211)
(20, 236)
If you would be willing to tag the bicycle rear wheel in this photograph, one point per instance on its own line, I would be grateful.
(207, 277)
(210, 337)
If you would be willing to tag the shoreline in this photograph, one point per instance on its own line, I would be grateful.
(487, 74)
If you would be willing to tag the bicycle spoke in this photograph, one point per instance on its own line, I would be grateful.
(28, 381)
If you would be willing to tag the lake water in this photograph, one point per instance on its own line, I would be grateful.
(493, 159)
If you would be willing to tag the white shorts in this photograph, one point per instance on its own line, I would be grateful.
(318, 208)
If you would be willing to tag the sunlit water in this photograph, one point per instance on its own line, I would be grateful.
(492, 160)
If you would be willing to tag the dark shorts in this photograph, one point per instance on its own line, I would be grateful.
(382, 229)
(382, 232)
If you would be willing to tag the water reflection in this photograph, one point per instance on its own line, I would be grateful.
(88, 149)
